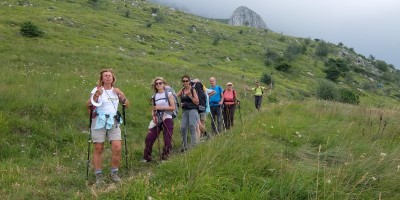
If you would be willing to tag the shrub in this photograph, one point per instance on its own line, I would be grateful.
(283, 67)
(348, 96)
(149, 24)
(381, 65)
(127, 13)
(160, 18)
(217, 38)
(154, 10)
(307, 41)
(28, 29)
(332, 73)
(293, 51)
(94, 3)
(266, 78)
(322, 49)
(326, 90)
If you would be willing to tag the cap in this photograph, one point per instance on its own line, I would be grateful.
(229, 83)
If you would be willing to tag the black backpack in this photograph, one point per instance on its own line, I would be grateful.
(202, 97)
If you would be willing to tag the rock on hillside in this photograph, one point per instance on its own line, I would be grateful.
(243, 16)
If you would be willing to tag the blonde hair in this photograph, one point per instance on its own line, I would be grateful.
(100, 81)
(154, 83)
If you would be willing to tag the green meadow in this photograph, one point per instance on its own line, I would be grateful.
(297, 147)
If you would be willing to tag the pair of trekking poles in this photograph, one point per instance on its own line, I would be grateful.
(223, 120)
(90, 140)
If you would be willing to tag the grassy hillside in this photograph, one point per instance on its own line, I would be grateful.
(46, 81)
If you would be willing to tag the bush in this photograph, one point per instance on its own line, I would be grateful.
(217, 38)
(327, 90)
(283, 67)
(332, 73)
(322, 49)
(293, 51)
(28, 29)
(160, 18)
(348, 96)
(266, 78)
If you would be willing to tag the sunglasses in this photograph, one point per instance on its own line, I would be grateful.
(185, 81)
(159, 83)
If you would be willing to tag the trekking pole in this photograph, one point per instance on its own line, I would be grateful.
(89, 141)
(215, 127)
(126, 148)
(223, 119)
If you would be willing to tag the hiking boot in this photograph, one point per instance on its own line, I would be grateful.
(99, 179)
(115, 178)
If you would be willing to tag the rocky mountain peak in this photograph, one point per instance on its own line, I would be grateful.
(244, 16)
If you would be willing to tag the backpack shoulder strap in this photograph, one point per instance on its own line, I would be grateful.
(166, 97)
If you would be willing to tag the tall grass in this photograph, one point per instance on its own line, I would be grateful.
(307, 150)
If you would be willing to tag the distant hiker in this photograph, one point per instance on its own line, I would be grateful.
(163, 107)
(258, 94)
(189, 102)
(201, 128)
(230, 100)
(105, 99)
(215, 106)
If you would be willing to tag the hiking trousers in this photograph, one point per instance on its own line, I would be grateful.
(216, 116)
(257, 101)
(229, 113)
(167, 127)
(189, 121)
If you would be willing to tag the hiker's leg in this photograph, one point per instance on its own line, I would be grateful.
(213, 119)
(232, 114)
(184, 126)
(114, 136)
(193, 119)
(97, 156)
(219, 118)
(149, 141)
(225, 114)
(168, 128)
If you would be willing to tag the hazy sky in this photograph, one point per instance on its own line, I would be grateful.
(370, 27)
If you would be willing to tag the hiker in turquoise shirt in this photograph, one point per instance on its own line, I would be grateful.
(258, 94)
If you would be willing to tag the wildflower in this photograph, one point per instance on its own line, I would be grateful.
(383, 154)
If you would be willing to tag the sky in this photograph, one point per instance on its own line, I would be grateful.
(370, 27)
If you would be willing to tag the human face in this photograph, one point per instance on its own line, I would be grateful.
(107, 78)
(159, 84)
(212, 81)
(229, 87)
(185, 82)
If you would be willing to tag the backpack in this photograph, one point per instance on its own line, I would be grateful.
(202, 97)
(174, 113)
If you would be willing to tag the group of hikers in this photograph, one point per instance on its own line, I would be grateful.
(196, 101)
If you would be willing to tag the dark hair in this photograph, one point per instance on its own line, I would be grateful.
(186, 76)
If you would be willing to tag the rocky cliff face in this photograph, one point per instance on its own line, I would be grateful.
(243, 16)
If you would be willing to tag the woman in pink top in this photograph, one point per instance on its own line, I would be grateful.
(230, 100)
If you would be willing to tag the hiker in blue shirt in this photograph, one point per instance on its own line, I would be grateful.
(216, 101)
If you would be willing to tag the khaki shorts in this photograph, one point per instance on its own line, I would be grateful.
(99, 135)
